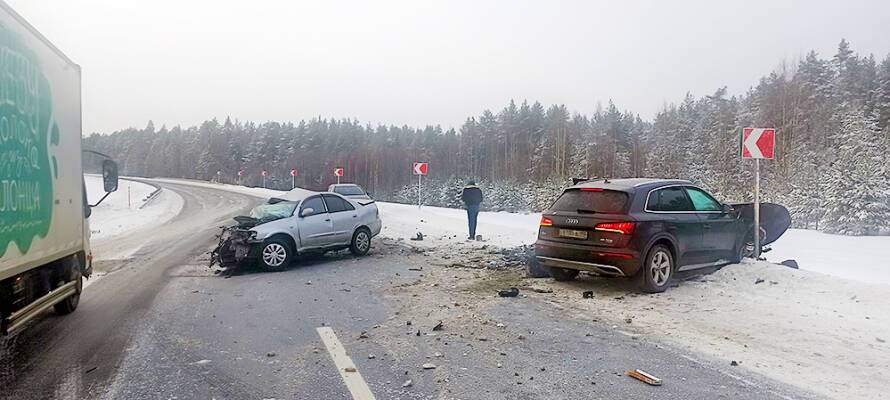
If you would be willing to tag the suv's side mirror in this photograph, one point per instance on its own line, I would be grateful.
(727, 209)
(109, 175)
(306, 211)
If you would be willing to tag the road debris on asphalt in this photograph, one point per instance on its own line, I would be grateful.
(644, 377)
(439, 326)
(511, 292)
(429, 366)
(408, 383)
(418, 237)
(587, 294)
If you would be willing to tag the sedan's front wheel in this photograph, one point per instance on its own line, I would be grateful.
(361, 242)
(657, 271)
(275, 254)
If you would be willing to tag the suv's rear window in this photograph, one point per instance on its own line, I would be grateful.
(589, 201)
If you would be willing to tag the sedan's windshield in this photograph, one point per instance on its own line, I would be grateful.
(269, 212)
(349, 190)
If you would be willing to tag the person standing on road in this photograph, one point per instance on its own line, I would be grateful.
(472, 197)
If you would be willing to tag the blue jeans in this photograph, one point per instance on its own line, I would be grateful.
(472, 217)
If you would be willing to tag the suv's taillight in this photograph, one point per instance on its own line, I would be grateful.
(625, 228)
(546, 221)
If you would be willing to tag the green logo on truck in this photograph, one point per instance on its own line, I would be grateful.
(26, 178)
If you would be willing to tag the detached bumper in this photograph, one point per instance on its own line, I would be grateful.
(600, 260)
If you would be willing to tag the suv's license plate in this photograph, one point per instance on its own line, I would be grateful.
(571, 233)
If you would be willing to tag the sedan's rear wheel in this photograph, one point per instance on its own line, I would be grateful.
(275, 254)
(361, 242)
(658, 270)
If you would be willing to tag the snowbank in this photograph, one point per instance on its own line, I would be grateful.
(861, 258)
(128, 208)
(448, 225)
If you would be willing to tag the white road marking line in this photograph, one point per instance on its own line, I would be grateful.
(353, 379)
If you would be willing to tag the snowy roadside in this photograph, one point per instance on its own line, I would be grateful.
(133, 207)
(860, 258)
(128, 208)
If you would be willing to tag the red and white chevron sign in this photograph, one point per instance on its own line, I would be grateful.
(758, 142)
(420, 168)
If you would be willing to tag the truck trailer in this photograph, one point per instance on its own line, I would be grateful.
(44, 211)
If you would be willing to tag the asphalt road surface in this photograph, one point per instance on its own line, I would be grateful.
(164, 326)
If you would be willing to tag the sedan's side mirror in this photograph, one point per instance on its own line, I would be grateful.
(727, 209)
(109, 175)
(306, 211)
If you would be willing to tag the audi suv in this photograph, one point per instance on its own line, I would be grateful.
(648, 229)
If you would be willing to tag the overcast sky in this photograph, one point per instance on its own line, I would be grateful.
(419, 63)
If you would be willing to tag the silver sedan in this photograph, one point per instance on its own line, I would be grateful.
(310, 222)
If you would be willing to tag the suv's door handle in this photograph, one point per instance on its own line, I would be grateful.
(327, 220)
(706, 226)
(355, 216)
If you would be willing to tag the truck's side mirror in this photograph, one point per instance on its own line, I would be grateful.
(109, 175)
(306, 211)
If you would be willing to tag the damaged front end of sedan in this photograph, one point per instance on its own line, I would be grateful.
(238, 244)
(233, 247)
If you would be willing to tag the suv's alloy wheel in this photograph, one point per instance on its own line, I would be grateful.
(658, 270)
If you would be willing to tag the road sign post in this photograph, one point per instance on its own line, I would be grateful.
(293, 178)
(420, 169)
(758, 143)
(264, 173)
(338, 172)
(756, 208)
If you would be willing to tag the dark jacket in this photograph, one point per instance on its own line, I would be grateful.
(472, 196)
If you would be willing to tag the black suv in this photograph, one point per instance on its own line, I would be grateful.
(643, 228)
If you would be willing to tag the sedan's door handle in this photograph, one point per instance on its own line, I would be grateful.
(327, 220)
(355, 216)
(706, 226)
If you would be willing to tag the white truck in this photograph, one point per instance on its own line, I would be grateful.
(44, 229)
